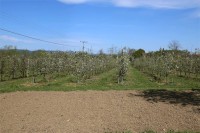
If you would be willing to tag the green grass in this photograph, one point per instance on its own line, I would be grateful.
(106, 81)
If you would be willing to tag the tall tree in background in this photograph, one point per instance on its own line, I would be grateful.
(174, 45)
(138, 53)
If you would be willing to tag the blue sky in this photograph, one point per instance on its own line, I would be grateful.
(147, 24)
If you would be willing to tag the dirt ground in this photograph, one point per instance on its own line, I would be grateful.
(96, 112)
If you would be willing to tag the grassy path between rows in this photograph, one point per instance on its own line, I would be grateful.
(135, 80)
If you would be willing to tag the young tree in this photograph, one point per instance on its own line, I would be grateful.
(2, 67)
(123, 66)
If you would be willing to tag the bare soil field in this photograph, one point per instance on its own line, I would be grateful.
(98, 112)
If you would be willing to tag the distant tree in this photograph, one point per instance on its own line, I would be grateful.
(174, 45)
(101, 52)
(131, 51)
(197, 50)
(138, 53)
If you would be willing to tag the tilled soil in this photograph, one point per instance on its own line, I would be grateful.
(92, 112)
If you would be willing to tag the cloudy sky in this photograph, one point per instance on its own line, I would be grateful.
(147, 24)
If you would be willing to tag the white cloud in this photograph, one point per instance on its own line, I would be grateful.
(173, 4)
(14, 39)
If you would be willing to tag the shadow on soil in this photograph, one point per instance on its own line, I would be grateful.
(184, 98)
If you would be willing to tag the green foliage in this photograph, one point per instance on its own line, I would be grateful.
(138, 53)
